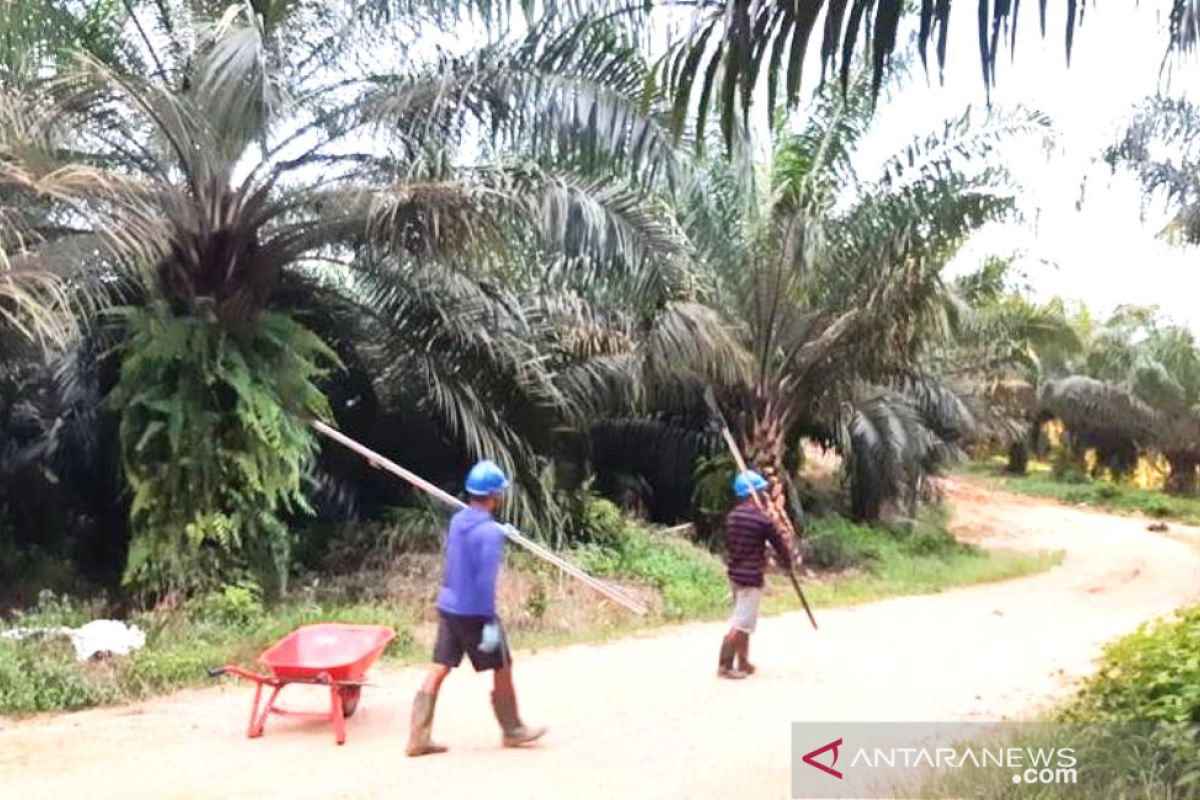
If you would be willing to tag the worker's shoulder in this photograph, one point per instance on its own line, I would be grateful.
(487, 528)
(472, 520)
(746, 513)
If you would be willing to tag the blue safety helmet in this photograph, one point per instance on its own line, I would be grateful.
(486, 478)
(747, 482)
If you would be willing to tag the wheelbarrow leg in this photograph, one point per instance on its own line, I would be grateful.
(338, 715)
(250, 733)
(258, 721)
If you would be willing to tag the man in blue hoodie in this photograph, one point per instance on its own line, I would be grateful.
(467, 615)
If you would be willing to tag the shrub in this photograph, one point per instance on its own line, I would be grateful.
(1149, 684)
(603, 523)
(237, 605)
(835, 543)
(692, 580)
(172, 663)
(214, 445)
(1150, 675)
(1067, 467)
(1158, 507)
(55, 610)
(356, 545)
(43, 676)
(931, 536)
(1081, 496)
(537, 603)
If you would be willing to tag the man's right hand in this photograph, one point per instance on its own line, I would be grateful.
(491, 638)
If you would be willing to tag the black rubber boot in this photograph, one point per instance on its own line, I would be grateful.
(742, 653)
(421, 728)
(515, 732)
(725, 667)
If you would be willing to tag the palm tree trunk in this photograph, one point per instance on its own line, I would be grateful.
(1182, 479)
(764, 447)
(1018, 458)
(1070, 463)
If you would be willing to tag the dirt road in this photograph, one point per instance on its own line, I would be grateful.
(645, 717)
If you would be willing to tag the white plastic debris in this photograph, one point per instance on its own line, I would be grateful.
(106, 636)
(17, 634)
(101, 636)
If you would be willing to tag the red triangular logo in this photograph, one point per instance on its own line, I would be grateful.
(810, 758)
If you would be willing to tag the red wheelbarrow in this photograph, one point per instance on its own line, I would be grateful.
(333, 655)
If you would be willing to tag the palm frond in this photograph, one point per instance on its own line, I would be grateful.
(1160, 147)
(572, 94)
(1184, 25)
(943, 411)
(961, 142)
(887, 450)
(40, 37)
(587, 221)
(1089, 405)
(235, 85)
(625, 367)
(732, 47)
(35, 302)
(464, 354)
(655, 456)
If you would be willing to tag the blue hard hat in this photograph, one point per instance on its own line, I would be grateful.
(486, 478)
(747, 482)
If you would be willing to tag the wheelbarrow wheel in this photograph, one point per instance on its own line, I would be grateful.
(350, 695)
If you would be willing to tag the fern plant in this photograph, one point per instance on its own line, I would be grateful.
(214, 445)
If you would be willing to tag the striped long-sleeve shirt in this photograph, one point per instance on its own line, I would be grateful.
(748, 530)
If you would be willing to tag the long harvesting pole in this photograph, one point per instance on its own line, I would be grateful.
(734, 451)
(380, 461)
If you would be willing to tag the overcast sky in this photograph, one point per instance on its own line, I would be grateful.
(1103, 253)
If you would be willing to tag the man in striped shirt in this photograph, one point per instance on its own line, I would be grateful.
(748, 531)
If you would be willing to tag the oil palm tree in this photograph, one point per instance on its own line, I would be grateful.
(1147, 388)
(1001, 347)
(230, 166)
(1136, 388)
(39, 38)
(823, 288)
(834, 282)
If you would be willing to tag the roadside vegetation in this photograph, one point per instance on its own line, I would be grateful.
(1133, 724)
(227, 626)
(1101, 493)
(919, 559)
(679, 579)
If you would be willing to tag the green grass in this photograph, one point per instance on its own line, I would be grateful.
(895, 563)
(886, 563)
(690, 580)
(233, 626)
(1095, 493)
(1133, 724)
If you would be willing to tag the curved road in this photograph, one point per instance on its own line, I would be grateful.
(645, 717)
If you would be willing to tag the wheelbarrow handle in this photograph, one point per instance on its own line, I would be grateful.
(233, 669)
